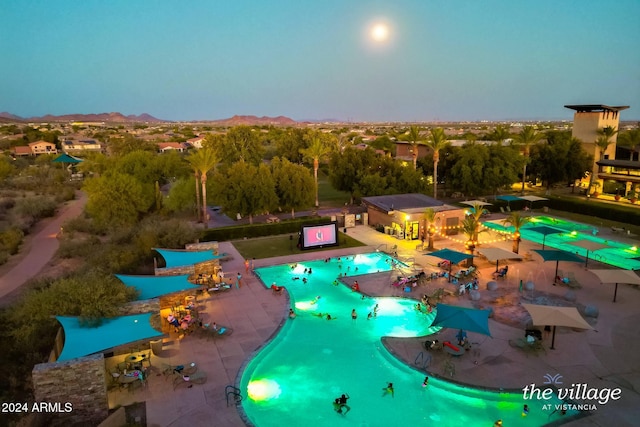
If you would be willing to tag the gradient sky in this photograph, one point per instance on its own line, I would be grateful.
(312, 59)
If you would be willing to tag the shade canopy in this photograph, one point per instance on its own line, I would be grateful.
(496, 254)
(468, 319)
(453, 257)
(155, 286)
(556, 316)
(617, 276)
(82, 341)
(65, 158)
(532, 198)
(508, 198)
(181, 258)
(589, 245)
(475, 202)
(555, 255)
(545, 231)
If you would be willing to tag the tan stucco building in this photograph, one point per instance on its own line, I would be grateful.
(587, 120)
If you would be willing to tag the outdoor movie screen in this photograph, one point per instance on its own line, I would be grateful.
(314, 236)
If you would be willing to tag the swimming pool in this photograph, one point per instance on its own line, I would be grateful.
(617, 254)
(295, 378)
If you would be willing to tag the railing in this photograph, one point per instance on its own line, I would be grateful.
(233, 391)
(383, 245)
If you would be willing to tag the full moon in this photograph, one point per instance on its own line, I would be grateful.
(380, 32)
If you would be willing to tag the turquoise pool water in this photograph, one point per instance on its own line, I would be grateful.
(617, 254)
(295, 378)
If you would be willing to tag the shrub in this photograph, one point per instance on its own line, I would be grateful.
(620, 213)
(10, 240)
(35, 208)
(77, 248)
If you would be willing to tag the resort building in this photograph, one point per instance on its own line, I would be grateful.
(587, 121)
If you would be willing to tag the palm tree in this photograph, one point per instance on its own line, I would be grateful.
(203, 161)
(527, 137)
(500, 134)
(318, 150)
(429, 217)
(437, 141)
(517, 221)
(471, 228)
(604, 139)
(631, 140)
(414, 139)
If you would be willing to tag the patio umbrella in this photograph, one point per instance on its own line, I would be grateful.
(557, 256)
(475, 202)
(589, 245)
(508, 199)
(545, 231)
(532, 199)
(469, 319)
(617, 276)
(496, 254)
(66, 158)
(453, 257)
(556, 316)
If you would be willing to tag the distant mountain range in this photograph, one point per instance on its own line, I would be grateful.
(102, 117)
(146, 118)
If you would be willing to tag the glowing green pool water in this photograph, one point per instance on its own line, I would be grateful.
(294, 379)
(616, 253)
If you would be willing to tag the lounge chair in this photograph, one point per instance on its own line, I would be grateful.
(573, 282)
(502, 209)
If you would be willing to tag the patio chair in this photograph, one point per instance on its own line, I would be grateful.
(188, 380)
(146, 358)
(502, 209)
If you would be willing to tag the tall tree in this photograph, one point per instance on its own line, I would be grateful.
(630, 140)
(429, 217)
(202, 162)
(527, 137)
(245, 189)
(317, 150)
(117, 199)
(414, 141)
(605, 135)
(293, 184)
(437, 141)
(241, 143)
(517, 221)
(500, 134)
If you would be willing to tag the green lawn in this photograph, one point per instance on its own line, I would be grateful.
(328, 196)
(273, 246)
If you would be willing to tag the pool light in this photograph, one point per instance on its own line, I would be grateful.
(263, 390)
(634, 248)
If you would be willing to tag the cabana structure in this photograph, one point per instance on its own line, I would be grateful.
(156, 286)
(617, 276)
(114, 332)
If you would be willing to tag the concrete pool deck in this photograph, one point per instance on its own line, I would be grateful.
(605, 357)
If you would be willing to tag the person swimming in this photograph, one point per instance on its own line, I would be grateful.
(388, 390)
(336, 405)
(342, 400)
(426, 383)
(525, 410)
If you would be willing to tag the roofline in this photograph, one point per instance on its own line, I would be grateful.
(587, 108)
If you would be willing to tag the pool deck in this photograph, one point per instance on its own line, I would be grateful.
(605, 357)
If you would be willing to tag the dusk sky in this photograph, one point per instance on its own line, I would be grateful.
(318, 59)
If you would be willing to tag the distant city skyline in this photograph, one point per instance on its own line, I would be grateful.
(358, 61)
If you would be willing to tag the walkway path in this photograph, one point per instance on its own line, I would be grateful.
(38, 249)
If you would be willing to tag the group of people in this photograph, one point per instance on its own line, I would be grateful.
(183, 323)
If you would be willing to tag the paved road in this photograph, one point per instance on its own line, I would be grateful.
(41, 247)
